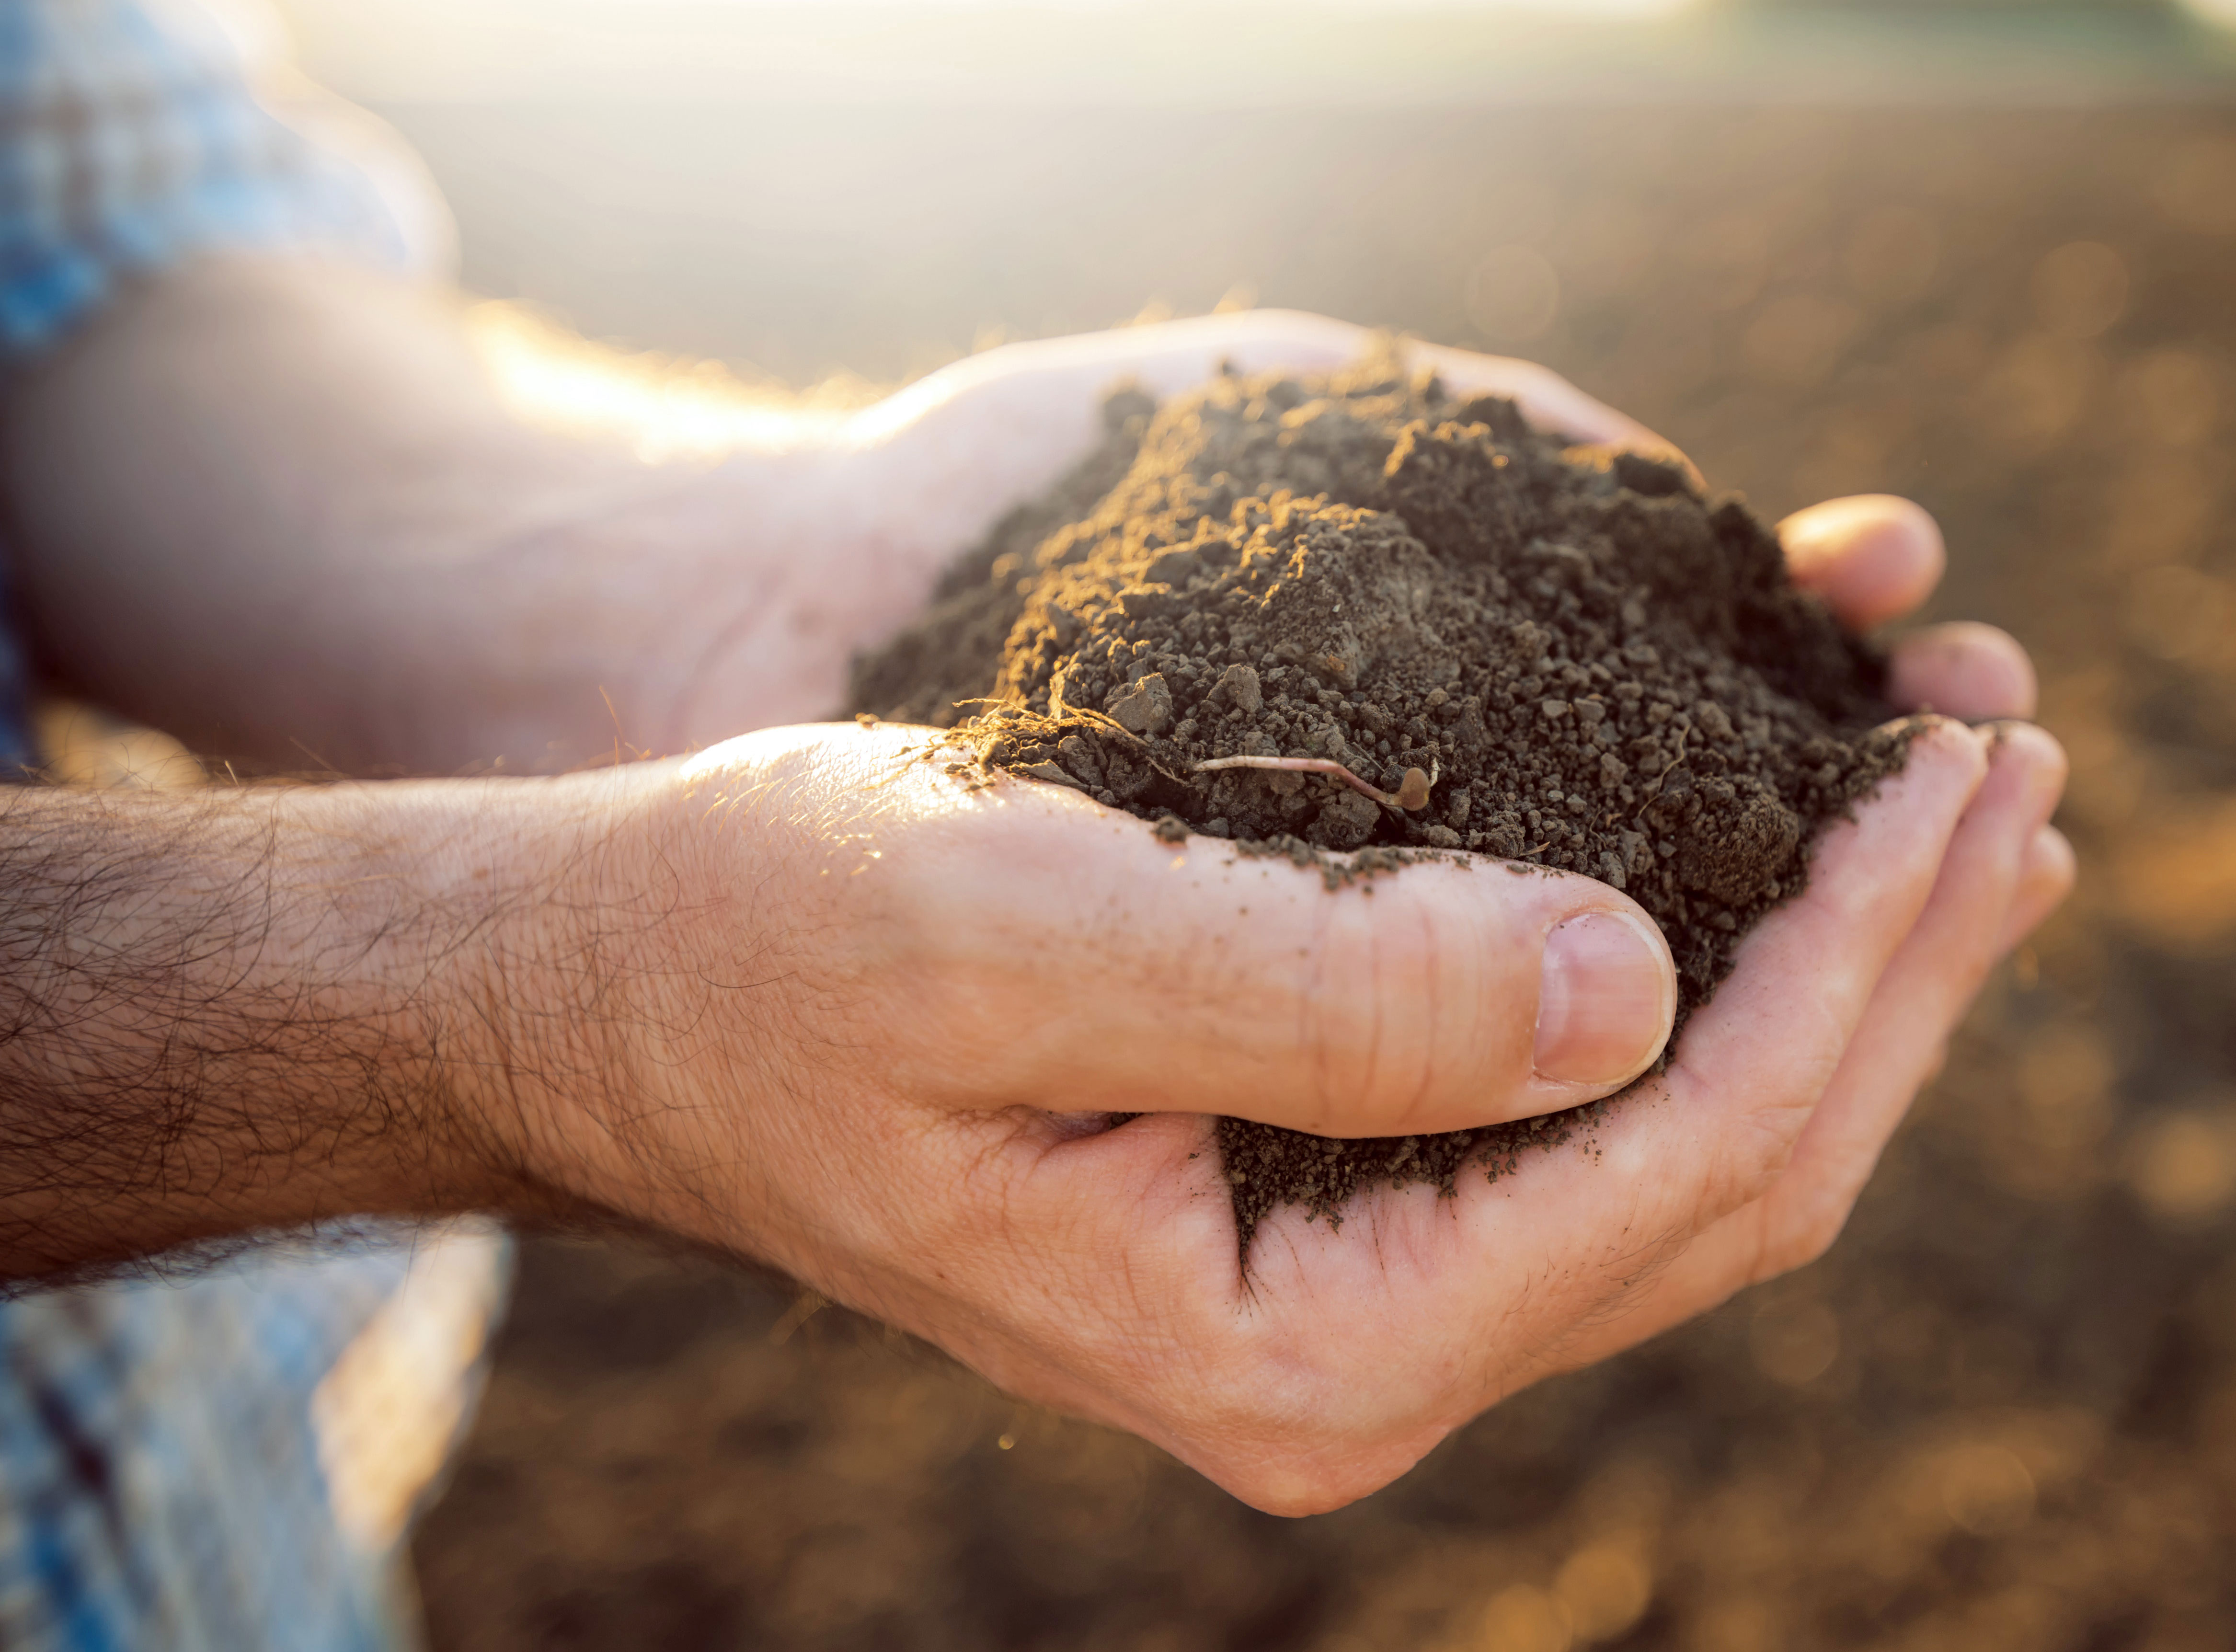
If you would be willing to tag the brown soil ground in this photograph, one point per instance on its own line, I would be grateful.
(1558, 658)
(2002, 1414)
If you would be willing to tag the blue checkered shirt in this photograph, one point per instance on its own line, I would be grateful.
(224, 1462)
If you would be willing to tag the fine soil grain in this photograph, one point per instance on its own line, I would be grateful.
(1488, 642)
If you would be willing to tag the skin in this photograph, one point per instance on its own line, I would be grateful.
(808, 999)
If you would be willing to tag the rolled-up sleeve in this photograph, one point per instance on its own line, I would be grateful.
(135, 132)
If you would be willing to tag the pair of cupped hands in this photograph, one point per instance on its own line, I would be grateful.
(874, 1039)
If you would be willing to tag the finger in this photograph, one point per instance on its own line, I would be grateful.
(1113, 971)
(1754, 1063)
(2046, 881)
(1990, 873)
(1872, 557)
(1925, 991)
(1060, 956)
(1963, 669)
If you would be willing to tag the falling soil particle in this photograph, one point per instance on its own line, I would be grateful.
(1559, 657)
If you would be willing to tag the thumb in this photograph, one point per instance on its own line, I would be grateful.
(1060, 956)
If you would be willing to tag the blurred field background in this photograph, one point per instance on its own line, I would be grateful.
(1984, 255)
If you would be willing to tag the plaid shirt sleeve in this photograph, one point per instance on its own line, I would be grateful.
(134, 133)
(227, 1464)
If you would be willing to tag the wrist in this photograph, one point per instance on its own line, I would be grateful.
(380, 971)
(675, 993)
(512, 988)
(597, 1060)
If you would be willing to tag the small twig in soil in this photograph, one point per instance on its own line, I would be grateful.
(1412, 792)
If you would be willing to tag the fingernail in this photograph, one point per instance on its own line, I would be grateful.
(1604, 1000)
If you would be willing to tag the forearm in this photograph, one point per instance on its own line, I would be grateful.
(279, 509)
(227, 1012)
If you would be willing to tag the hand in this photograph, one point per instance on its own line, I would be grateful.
(800, 1005)
(884, 1094)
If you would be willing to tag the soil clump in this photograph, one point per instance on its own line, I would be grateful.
(1455, 634)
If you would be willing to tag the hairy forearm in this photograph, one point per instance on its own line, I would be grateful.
(227, 1012)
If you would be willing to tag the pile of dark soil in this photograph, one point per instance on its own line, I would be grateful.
(1351, 614)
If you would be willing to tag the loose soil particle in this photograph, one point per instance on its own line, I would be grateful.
(1561, 657)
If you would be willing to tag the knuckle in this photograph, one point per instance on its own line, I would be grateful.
(1798, 1243)
(1275, 1422)
(1293, 1470)
(1762, 1147)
